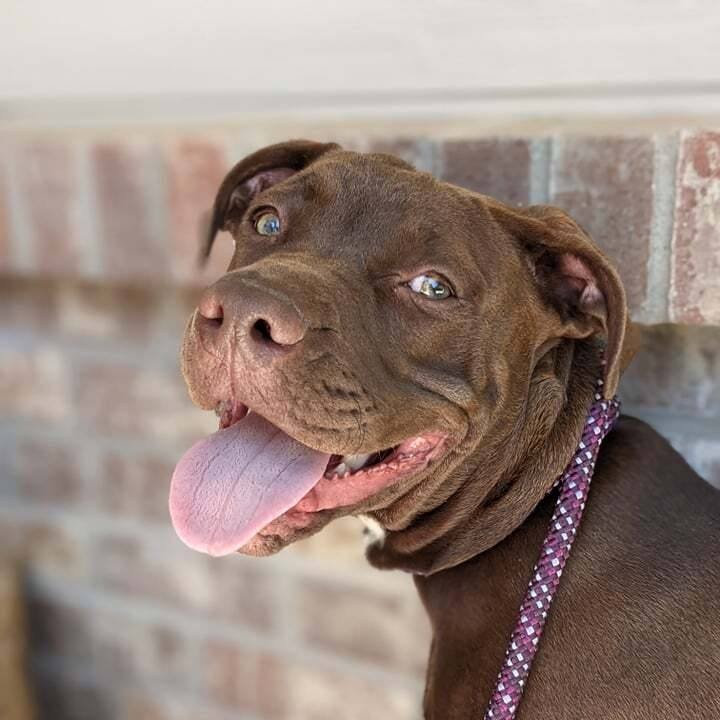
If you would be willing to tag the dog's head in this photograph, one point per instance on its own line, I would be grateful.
(375, 328)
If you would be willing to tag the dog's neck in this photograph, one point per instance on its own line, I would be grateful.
(441, 525)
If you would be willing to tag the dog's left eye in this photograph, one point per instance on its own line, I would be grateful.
(431, 286)
(267, 224)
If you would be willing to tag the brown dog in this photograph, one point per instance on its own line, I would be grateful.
(425, 356)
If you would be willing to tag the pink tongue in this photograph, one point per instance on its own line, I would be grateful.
(233, 483)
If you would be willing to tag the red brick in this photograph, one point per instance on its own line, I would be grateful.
(196, 168)
(138, 704)
(12, 609)
(103, 313)
(135, 486)
(419, 153)
(124, 648)
(29, 304)
(695, 283)
(499, 167)
(34, 384)
(321, 693)
(165, 655)
(143, 704)
(86, 311)
(134, 242)
(119, 565)
(148, 568)
(173, 311)
(242, 679)
(113, 641)
(230, 589)
(48, 472)
(5, 253)
(100, 312)
(65, 699)
(150, 402)
(677, 369)
(60, 630)
(48, 181)
(374, 626)
(13, 533)
(54, 550)
(245, 592)
(606, 184)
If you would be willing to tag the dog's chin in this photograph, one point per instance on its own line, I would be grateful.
(285, 530)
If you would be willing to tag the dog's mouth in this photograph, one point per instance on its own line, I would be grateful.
(250, 476)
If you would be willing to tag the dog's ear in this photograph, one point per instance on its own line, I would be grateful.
(257, 172)
(576, 278)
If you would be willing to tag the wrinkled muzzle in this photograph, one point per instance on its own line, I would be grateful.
(299, 430)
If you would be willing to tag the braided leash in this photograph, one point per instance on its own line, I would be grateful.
(574, 484)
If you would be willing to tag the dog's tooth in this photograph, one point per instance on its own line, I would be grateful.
(340, 470)
(355, 462)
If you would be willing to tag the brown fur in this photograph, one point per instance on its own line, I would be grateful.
(507, 369)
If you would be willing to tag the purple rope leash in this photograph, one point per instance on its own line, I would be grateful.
(574, 484)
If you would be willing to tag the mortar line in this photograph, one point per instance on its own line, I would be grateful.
(540, 166)
(429, 153)
(659, 266)
(86, 223)
(21, 236)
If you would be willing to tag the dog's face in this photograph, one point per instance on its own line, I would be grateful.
(366, 336)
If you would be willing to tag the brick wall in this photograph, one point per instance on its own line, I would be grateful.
(97, 242)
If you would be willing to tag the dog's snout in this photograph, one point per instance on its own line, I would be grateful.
(258, 318)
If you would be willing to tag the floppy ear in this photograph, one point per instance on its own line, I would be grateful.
(577, 279)
(257, 172)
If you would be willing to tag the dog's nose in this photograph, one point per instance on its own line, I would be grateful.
(257, 318)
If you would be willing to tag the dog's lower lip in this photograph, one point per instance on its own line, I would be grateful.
(406, 459)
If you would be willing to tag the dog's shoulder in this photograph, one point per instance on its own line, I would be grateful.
(652, 508)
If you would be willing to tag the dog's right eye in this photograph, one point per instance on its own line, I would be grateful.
(267, 223)
(431, 286)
